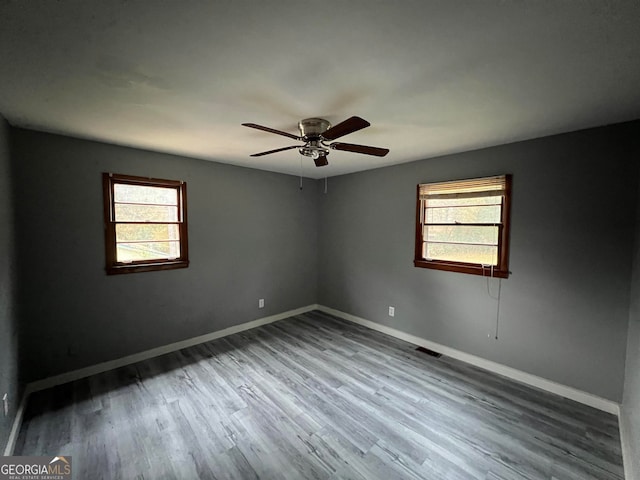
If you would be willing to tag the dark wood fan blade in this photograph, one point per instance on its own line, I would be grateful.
(350, 125)
(321, 161)
(275, 151)
(350, 147)
(271, 130)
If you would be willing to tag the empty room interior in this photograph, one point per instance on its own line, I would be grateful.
(329, 240)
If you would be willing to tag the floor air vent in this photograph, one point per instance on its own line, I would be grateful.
(429, 352)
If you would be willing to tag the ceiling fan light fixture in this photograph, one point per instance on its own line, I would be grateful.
(314, 150)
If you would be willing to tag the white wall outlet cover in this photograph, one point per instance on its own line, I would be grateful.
(392, 311)
(261, 303)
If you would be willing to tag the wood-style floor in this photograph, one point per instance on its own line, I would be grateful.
(315, 397)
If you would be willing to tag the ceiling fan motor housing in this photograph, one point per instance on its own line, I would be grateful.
(311, 130)
(313, 127)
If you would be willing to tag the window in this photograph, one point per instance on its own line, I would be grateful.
(463, 226)
(145, 223)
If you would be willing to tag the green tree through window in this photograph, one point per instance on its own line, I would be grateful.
(464, 225)
(145, 223)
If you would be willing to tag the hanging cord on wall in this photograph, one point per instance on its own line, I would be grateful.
(498, 308)
(325, 185)
(497, 298)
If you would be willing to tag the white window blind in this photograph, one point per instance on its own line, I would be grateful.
(476, 187)
(461, 221)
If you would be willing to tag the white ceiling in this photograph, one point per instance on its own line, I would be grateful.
(432, 77)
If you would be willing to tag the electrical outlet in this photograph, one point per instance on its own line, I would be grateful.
(261, 303)
(5, 402)
(392, 311)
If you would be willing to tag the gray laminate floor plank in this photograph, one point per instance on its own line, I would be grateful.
(315, 397)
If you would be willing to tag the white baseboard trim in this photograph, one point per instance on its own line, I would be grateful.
(156, 352)
(630, 462)
(137, 357)
(523, 377)
(17, 423)
(529, 379)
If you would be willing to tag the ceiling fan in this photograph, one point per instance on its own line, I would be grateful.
(316, 132)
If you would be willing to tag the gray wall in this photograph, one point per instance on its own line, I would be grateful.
(252, 234)
(9, 341)
(564, 310)
(630, 411)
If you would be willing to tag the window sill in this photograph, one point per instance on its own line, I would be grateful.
(146, 267)
(469, 268)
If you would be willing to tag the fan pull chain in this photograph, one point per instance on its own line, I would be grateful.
(300, 172)
(325, 185)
